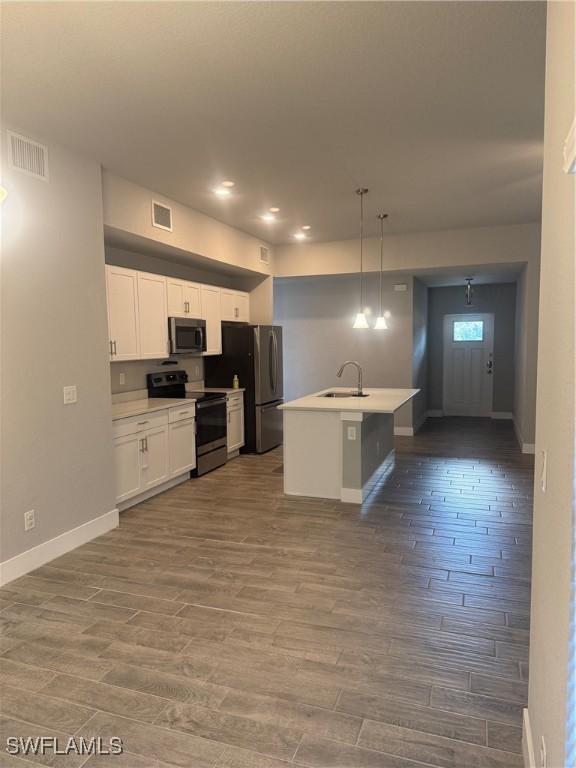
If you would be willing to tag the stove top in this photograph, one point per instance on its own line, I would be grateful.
(203, 396)
(173, 384)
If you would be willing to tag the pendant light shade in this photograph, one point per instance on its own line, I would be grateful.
(381, 324)
(361, 321)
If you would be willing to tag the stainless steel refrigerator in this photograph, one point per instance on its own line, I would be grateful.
(254, 354)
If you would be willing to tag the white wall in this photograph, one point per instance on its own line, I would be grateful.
(317, 315)
(468, 249)
(550, 639)
(127, 209)
(55, 459)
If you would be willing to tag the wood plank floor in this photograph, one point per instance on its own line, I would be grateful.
(224, 625)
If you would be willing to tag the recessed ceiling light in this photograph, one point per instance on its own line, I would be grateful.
(300, 236)
(222, 192)
(274, 210)
(268, 217)
(228, 183)
(306, 227)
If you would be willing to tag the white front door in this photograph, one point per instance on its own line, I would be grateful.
(468, 364)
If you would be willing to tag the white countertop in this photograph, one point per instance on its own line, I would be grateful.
(378, 401)
(146, 405)
(227, 390)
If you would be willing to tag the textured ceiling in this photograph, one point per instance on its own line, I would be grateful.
(436, 107)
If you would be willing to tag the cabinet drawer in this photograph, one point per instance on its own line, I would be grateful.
(181, 413)
(234, 401)
(133, 424)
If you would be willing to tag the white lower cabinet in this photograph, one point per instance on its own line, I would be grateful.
(127, 452)
(141, 454)
(182, 439)
(155, 458)
(235, 428)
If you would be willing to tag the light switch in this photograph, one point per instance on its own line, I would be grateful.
(351, 433)
(70, 395)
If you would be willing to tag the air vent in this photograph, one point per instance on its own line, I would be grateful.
(161, 216)
(264, 255)
(28, 156)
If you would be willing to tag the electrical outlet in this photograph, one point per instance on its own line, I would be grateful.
(196, 371)
(70, 395)
(544, 472)
(543, 757)
(29, 520)
(351, 433)
(122, 378)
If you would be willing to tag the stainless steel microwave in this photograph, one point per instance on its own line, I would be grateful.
(187, 335)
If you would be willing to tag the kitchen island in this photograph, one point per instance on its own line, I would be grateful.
(333, 444)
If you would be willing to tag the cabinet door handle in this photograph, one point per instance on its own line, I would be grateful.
(142, 445)
(141, 423)
(187, 307)
(111, 348)
(115, 348)
(146, 444)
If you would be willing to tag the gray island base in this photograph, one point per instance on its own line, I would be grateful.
(334, 445)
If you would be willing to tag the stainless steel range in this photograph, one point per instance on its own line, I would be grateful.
(210, 417)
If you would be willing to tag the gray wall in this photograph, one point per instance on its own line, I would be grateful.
(420, 351)
(56, 459)
(317, 316)
(552, 689)
(498, 299)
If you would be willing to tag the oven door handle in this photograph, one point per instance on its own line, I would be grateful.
(210, 403)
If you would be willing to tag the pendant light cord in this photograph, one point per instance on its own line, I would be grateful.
(381, 216)
(361, 192)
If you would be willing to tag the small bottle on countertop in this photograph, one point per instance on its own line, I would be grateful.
(235, 382)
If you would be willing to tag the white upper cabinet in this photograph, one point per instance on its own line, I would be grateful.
(152, 316)
(122, 293)
(235, 306)
(184, 298)
(210, 297)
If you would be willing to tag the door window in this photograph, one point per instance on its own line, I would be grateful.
(468, 330)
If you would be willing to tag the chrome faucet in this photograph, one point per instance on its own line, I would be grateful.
(352, 362)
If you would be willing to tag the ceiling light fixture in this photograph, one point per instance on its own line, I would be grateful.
(306, 227)
(469, 291)
(381, 324)
(360, 321)
(274, 210)
(268, 217)
(300, 236)
(228, 183)
(222, 192)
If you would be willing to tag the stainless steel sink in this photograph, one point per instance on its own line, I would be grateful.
(343, 394)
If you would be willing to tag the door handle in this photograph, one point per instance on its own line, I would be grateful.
(489, 366)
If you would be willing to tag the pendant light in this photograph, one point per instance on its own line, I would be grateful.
(360, 321)
(469, 291)
(381, 324)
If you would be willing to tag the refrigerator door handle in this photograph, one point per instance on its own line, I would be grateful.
(271, 362)
(275, 362)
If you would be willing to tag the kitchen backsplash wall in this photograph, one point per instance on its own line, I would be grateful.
(135, 372)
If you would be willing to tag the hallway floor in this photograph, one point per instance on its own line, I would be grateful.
(224, 625)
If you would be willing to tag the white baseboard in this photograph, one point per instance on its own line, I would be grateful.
(33, 558)
(351, 496)
(527, 742)
(435, 414)
(508, 415)
(403, 431)
(524, 447)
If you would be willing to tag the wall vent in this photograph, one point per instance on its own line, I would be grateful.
(264, 255)
(28, 156)
(161, 216)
